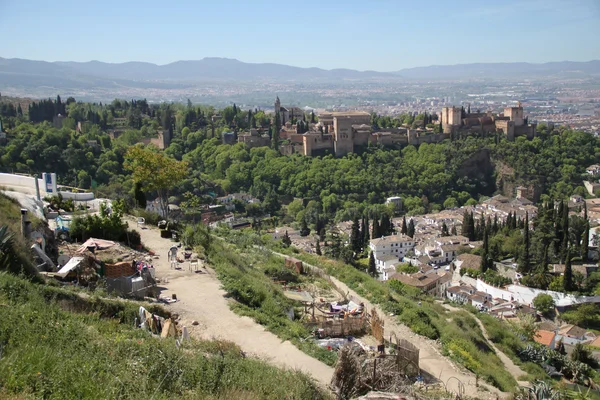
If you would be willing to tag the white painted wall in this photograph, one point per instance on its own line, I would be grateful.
(525, 295)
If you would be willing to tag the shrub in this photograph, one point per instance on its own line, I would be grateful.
(544, 303)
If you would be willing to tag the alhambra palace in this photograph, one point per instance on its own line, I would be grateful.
(339, 133)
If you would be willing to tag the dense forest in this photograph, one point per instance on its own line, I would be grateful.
(429, 178)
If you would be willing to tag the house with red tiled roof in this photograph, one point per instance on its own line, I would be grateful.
(547, 338)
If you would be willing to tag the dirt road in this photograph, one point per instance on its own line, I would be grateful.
(202, 299)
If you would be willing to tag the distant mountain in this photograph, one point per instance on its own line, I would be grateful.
(563, 69)
(83, 76)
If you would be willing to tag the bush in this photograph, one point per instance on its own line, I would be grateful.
(544, 303)
(150, 217)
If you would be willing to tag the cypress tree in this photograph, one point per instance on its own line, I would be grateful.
(585, 239)
(565, 232)
(495, 226)
(445, 229)
(404, 228)
(568, 276)
(367, 237)
(525, 258)
(372, 268)
(465, 225)
(485, 255)
(318, 249)
(383, 226)
(375, 231)
(411, 228)
(355, 236)
(363, 231)
(453, 231)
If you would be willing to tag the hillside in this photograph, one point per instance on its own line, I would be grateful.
(69, 74)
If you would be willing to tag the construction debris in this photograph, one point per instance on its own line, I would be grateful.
(356, 374)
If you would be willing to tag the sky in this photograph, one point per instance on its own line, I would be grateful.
(381, 35)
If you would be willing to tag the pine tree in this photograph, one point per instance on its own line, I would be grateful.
(525, 258)
(355, 236)
(485, 253)
(568, 276)
(445, 229)
(318, 249)
(411, 228)
(404, 229)
(372, 268)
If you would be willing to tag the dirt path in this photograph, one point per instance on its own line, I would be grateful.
(202, 299)
(430, 358)
(509, 365)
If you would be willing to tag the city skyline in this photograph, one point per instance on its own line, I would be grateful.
(380, 36)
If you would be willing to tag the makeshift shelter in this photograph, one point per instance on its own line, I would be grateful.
(95, 244)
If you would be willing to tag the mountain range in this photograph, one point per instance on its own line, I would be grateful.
(95, 73)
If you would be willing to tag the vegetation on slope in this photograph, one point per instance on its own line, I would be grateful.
(461, 337)
(93, 353)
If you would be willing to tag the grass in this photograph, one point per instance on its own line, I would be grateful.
(246, 274)
(507, 341)
(458, 332)
(10, 216)
(50, 351)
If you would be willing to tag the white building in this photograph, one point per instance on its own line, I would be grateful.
(396, 201)
(395, 245)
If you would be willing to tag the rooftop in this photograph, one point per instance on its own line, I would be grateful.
(544, 337)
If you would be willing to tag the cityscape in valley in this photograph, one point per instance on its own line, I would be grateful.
(328, 219)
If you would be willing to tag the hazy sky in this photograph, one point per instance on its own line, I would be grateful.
(369, 34)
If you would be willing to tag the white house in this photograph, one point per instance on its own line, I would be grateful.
(460, 294)
(396, 201)
(386, 265)
(396, 245)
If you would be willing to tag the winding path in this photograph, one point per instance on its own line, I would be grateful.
(200, 298)
(509, 365)
(430, 358)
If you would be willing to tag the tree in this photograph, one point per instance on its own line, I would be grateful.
(404, 229)
(560, 347)
(375, 232)
(318, 248)
(453, 231)
(304, 230)
(585, 238)
(275, 133)
(525, 259)
(568, 276)
(155, 172)
(445, 229)
(372, 268)
(286, 240)
(485, 257)
(355, 236)
(544, 303)
(411, 228)
(363, 230)
(366, 236)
